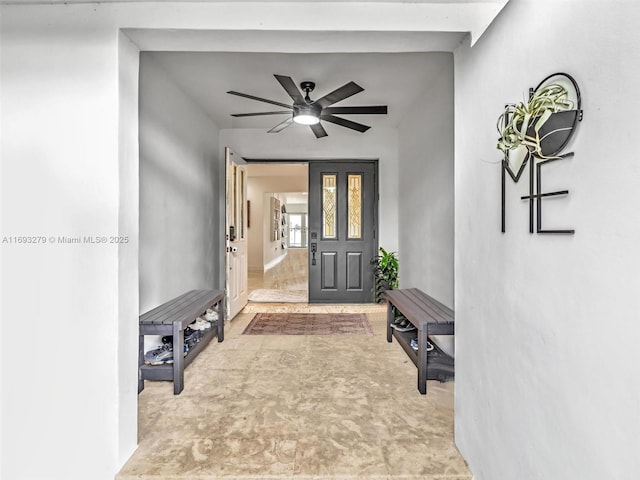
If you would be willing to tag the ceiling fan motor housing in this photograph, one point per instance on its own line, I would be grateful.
(307, 86)
(310, 109)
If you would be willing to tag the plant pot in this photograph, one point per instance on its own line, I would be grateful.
(556, 132)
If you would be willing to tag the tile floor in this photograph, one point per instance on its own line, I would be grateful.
(297, 407)
(290, 274)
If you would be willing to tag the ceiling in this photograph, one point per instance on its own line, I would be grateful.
(392, 79)
(281, 170)
(394, 49)
(8, 2)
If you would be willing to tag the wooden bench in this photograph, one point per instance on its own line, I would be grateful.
(430, 317)
(171, 318)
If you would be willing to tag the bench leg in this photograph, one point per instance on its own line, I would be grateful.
(140, 362)
(221, 315)
(390, 320)
(422, 361)
(178, 358)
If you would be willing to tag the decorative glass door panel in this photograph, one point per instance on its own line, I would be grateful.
(329, 205)
(354, 214)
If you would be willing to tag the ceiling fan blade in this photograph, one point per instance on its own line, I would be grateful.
(341, 93)
(245, 95)
(318, 130)
(288, 112)
(291, 88)
(343, 122)
(372, 110)
(281, 126)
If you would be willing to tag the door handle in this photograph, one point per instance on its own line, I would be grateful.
(314, 249)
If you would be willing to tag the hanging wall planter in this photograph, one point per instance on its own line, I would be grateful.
(543, 125)
(536, 132)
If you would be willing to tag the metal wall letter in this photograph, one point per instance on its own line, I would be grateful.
(554, 136)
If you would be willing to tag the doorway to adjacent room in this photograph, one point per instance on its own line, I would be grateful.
(278, 270)
(280, 234)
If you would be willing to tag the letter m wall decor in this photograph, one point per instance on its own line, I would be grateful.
(534, 133)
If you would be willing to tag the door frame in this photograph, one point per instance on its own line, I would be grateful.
(222, 201)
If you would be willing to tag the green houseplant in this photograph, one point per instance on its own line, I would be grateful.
(548, 112)
(385, 268)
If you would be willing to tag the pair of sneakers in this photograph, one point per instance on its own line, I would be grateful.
(414, 345)
(211, 315)
(162, 354)
(402, 324)
(191, 337)
(200, 324)
(210, 318)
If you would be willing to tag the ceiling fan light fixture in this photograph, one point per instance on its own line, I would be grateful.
(306, 114)
(306, 119)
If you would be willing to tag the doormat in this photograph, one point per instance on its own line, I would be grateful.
(309, 324)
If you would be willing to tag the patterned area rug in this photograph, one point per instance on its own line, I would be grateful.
(309, 324)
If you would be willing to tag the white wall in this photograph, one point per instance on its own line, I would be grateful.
(66, 393)
(377, 143)
(425, 144)
(128, 274)
(67, 103)
(297, 208)
(178, 191)
(547, 383)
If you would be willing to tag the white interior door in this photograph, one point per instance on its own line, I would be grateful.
(236, 234)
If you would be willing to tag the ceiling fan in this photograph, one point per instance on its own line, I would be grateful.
(309, 112)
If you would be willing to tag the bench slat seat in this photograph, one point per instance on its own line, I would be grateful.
(430, 317)
(171, 318)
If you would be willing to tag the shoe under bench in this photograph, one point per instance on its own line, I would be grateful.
(430, 317)
(171, 318)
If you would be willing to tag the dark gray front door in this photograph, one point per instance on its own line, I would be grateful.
(343, 205)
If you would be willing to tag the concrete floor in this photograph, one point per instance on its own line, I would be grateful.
(297, 407)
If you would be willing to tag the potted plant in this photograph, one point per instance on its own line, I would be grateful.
(545, 123)
(385, 268)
